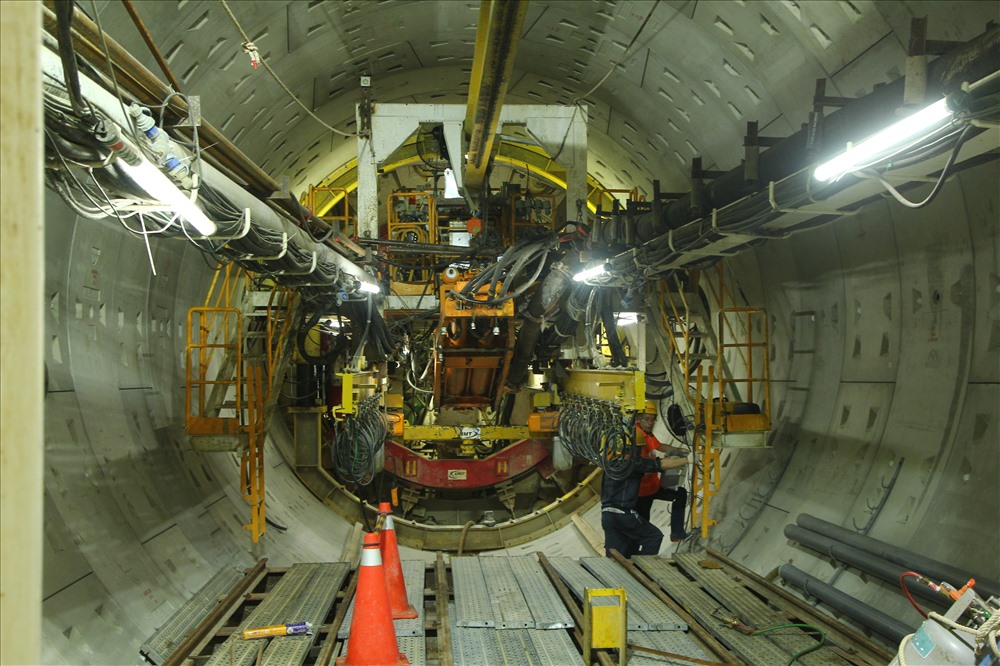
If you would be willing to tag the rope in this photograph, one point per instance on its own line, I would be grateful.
(255, 58)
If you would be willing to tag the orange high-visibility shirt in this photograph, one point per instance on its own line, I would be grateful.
(650, 483)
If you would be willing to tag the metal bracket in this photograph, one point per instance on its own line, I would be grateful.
(194, 112)
(742, 234)
(244, 229)
(306, 272)
(804, 211)
(284, 249)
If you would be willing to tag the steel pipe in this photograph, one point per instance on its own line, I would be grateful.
(906, 558)
(875, 620)
(859, 559)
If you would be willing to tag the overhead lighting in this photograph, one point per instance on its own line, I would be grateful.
(159, 187)
(450, 185)
(895, 136)
(368, 287)
(627, 318)
(590, 273)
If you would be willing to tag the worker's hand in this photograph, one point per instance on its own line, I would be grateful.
(673, 451)
(672, 463)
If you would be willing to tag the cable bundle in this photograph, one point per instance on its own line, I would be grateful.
(357, 441)
(597, 431)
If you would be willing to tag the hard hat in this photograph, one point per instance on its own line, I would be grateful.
(650, 408)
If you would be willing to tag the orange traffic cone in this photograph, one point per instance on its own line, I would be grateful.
(396, 586)
(373, 638)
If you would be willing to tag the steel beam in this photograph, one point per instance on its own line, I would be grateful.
(496, 45)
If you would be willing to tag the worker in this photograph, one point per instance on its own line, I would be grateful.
(655, 486)
(624, 529)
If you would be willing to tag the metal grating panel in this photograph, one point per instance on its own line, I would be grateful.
(187, 617)
(516, 648)
(509, 607)
(413, 576)
(472, 646)
(313, 608)
(755, 650)
(473, 605)
(676, 642)
(577, 579)
(274, 609)
(413, 647)
(746, 605)
(554, 647)
(547, 608)
(640, 600)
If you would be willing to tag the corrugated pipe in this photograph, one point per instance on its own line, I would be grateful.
(859, 559)
(907, 559)
(872, 618)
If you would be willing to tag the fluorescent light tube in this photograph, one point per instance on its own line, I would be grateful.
(368, 287)
(592, 272)
(159, 187)
(450, 185)
(894, 136)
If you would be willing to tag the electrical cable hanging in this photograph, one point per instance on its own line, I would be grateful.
(255, 57)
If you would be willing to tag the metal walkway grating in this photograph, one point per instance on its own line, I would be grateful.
(292, 593)
(413, 577)
(187, 617)
(651, 611)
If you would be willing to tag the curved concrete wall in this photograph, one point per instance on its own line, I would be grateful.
(886, 326)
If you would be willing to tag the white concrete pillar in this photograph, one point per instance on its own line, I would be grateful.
(22, 276)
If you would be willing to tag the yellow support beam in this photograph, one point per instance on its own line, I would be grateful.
(625, 387)
(496, 45)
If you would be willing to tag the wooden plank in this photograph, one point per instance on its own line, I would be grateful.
(442, 593)
(589, 534)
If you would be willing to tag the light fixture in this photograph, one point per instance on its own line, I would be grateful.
(627, 318)
(159, 187)
(896, 135)
(450, 185)
(592, 272)
(368, 287)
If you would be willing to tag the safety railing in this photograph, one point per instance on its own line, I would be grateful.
(213, 397)
(338, 213)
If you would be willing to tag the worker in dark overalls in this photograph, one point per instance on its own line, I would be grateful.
(624, 529)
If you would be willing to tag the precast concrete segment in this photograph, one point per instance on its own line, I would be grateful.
(546, 607)
(578, 579)
(413, 574)
(414, 647)
(755, 650)
(640, 600)
(676, 642)
(510, 609)
(751, 609)
(473, 606)
(273, 610)
(187, 617)
(313, 608)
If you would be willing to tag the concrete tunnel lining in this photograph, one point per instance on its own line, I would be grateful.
(885, 335)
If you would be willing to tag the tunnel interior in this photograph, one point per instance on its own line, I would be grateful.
(884, 324)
